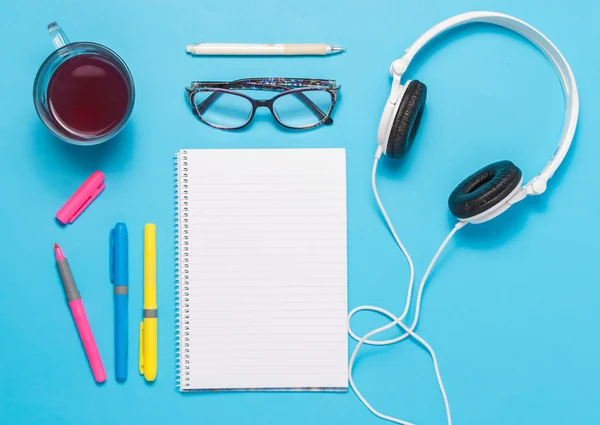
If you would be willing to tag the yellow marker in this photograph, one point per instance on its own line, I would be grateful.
(149, 326)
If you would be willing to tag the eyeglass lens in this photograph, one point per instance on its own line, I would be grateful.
(303, 109)
(223, 109)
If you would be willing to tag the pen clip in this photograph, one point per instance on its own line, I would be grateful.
(112, 256)
(89, 200)
(141, 365)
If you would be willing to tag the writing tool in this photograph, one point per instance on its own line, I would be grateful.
(149, 326)
(119, 276)
(241, 49)
(78, 312)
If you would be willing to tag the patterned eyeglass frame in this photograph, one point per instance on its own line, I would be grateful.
(287, 86)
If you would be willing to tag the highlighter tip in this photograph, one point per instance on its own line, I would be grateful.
(58, 252)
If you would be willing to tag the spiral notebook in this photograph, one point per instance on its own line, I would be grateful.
(262, 269)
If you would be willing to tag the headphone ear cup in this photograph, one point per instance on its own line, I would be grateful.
(406, 122)
(484, 189)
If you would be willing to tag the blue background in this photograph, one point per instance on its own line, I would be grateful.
(512, 307)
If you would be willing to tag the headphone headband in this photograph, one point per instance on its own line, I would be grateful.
(537, 185)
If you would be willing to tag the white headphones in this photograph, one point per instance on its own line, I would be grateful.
(482, 196)
(493, 189)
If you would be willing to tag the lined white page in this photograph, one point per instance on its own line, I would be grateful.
(267, 269)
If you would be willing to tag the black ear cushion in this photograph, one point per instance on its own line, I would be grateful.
(407, 119)
(484, 189)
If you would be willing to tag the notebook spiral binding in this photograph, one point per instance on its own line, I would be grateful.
(182, 351)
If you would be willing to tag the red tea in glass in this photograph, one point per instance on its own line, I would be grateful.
(83, 92)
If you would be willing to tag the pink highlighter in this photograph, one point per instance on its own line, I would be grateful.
(78, 312)
(87, 192)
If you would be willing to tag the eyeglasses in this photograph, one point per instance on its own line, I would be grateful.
(302, 103)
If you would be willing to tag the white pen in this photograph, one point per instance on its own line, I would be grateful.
(241, 49)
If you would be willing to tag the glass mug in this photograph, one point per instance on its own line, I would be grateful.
(83, 92)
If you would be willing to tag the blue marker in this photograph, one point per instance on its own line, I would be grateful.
(119, 276)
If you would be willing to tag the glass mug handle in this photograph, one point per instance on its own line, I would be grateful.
(59, 39)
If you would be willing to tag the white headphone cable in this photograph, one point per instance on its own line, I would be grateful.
(411, 267)
(397, 321)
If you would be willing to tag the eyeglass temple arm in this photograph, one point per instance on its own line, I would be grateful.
(311, 105)
(208, 101)
(202, 107)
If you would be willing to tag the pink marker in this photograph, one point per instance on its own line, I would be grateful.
(81, 320)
